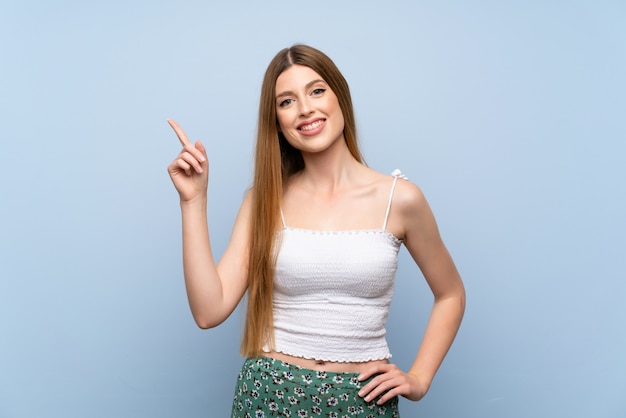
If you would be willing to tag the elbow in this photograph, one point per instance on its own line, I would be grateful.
(205, 322)
(461, 297)
(462, 302)
(454, 298)
(204, 325)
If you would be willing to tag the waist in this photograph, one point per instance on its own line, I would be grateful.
(330, 331)
(328, 366)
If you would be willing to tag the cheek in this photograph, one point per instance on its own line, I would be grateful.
(340, 120)
(281, 122)
(284, 128)
(335, 110)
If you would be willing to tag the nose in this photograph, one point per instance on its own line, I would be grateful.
(306, 108)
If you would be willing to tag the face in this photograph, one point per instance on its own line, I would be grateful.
(307, 110)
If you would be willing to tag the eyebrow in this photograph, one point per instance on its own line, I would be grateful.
(308, 85)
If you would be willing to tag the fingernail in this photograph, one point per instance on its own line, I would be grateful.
(361, 393)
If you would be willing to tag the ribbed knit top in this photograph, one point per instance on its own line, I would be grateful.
(332, 292)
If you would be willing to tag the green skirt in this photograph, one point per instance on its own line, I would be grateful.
(267, 387)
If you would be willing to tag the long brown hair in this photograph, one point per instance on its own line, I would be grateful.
(276, 160)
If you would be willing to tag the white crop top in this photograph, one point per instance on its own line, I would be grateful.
(332, 292)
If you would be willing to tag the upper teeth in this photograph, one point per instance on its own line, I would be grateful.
(311, 126)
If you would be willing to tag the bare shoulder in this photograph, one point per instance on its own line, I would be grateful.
(408, 197)
(410, 212)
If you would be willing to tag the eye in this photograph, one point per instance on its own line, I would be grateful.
(285, 102)
(318, 91)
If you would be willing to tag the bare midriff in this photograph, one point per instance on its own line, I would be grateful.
(329, 366)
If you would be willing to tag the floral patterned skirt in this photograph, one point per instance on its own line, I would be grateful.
(267, 387)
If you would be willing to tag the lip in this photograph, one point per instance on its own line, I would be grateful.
(313, 131)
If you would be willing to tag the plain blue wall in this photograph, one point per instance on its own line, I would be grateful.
(509, 115)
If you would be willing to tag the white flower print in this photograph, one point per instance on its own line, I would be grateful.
(338, 379)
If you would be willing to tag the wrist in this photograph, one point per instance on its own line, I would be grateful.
(421, 379)
(420, 385)
(199, 202)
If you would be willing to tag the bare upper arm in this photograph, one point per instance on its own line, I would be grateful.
(422, 239)
(233, 265)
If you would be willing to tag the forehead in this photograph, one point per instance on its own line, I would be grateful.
(295, 77)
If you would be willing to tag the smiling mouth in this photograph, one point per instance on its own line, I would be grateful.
(311, 126)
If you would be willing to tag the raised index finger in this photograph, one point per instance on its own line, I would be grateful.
(182, 137)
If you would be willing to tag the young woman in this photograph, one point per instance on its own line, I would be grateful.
(315, 246)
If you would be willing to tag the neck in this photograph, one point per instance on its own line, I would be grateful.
(333, 169)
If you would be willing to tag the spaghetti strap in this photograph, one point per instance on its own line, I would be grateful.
(396, 173)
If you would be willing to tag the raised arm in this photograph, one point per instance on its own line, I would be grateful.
(421, 237)
(213, 290)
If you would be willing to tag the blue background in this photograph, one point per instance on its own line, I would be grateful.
(509, 115)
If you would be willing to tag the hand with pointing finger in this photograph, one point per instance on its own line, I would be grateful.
(190, 170)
